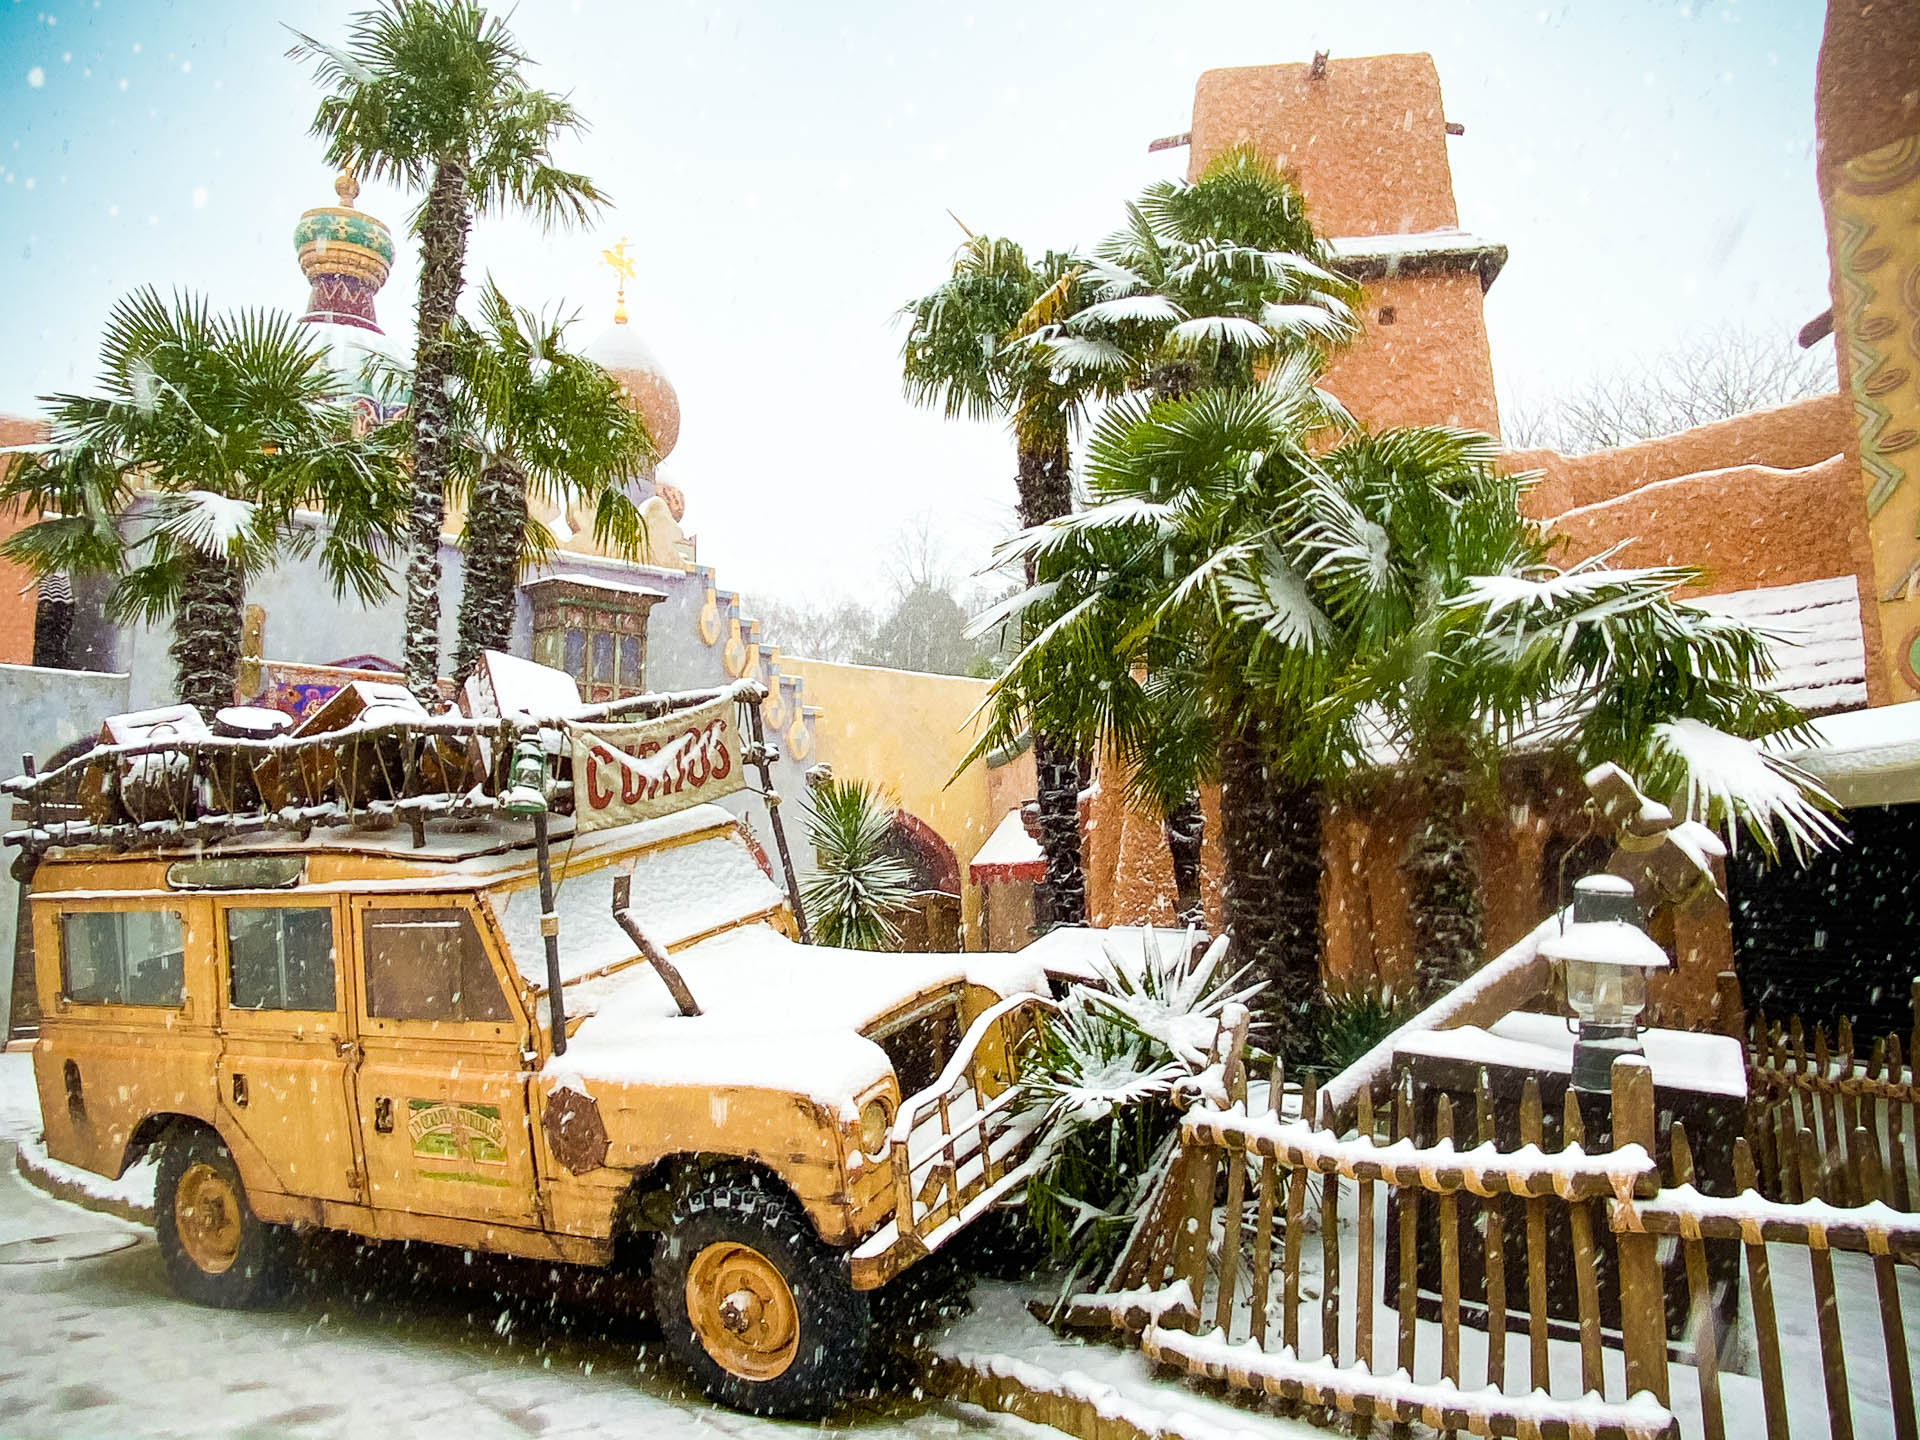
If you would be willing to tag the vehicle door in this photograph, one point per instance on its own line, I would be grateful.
(442, 1094)
(287, 1052)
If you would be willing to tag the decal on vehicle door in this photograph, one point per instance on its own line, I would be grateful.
(454, 1138)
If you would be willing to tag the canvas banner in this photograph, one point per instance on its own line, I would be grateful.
(639, 770)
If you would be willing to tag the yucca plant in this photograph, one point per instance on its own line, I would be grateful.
(1104, 1071)
(858, 891)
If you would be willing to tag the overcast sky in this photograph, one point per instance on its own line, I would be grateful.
(785, 172)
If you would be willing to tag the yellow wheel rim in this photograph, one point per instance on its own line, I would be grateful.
(743, 1311)
(206, 1214)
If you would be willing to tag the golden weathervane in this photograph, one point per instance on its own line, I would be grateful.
(621, 263)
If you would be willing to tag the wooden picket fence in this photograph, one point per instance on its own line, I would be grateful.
(1801, 1084)
(1236, 1272)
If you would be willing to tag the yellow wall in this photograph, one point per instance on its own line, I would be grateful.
(907, 732)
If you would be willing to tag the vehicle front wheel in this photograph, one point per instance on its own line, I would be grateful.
(754, 1305)
(217, 1251)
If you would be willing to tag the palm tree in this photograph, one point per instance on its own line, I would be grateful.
(530, 416)
(1456, 642)
(856, 897)
(966, 351)
(230, 424)
(1209, 283)
(1141, 646)
(1307, 618)
(430, 94)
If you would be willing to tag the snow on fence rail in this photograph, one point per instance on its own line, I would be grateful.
(1490, 1239)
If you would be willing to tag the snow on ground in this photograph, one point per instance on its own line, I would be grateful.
(386, 1340)
(1002, 1336)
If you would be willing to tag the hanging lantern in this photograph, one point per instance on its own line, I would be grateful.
(526, 795)
(1604, 959)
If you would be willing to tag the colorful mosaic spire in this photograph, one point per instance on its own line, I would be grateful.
(345, 255)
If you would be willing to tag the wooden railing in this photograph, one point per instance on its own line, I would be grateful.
(1461, 1240)
(957, 1146)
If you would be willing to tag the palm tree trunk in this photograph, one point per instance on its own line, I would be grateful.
(496, 526)
(443, 253)
(206, 633)
(1271, 834)
(1443, 875)
(1185, 828)
(1046, 493)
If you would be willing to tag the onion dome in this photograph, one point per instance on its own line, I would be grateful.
(345, 255)
(648, 392)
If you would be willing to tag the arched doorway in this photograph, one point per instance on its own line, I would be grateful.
(932, 921)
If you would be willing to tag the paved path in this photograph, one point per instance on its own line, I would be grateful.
(391, 1343)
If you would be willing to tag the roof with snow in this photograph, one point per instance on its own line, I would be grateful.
(1009, 854)
(1819, 654)
(1374, 257)
(1864, 757)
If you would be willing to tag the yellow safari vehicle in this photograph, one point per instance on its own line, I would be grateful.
(328, 1021)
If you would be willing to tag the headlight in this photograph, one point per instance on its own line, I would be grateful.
(875, 1118)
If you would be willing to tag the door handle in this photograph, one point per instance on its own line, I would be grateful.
(239, 1090)
(348, 1050)
(383, 1115)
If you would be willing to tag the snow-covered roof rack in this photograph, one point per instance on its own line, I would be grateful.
(383, 766)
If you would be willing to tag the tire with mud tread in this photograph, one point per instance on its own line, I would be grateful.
(760, 1312)
(217, 1251)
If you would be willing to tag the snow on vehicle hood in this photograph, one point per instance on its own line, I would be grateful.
(775, 1015)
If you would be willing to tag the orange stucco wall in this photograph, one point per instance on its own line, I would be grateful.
(16, 585)
(1746, 526)
(1430, 366)
(1367, 144)
(1786, 438)
(1367, 140)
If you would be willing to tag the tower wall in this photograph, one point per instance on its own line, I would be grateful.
(1366, 141)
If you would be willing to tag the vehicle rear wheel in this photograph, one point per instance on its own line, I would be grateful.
(761, 1313)
(217, 1251)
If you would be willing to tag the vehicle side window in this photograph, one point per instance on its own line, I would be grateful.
(122, 957)
(280, 959)
(428, 964)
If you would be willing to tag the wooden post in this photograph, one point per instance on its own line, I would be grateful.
(1706, 1343)
(1531, 1133)
(762, 763)
(1449, 1207)
(1263, 1222)
(1643, 1302)
(1330, 1264)
(1363, 1250)
(1236, 1199)
(1833, 1355)
(1409, 1206)
(1494, 1252)
(1899, 1367)
(1766, 1325)
(1586, 1260)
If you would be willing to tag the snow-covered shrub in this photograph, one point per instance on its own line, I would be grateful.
(1104, 1070)
(855, 897)
(1349, 1022)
